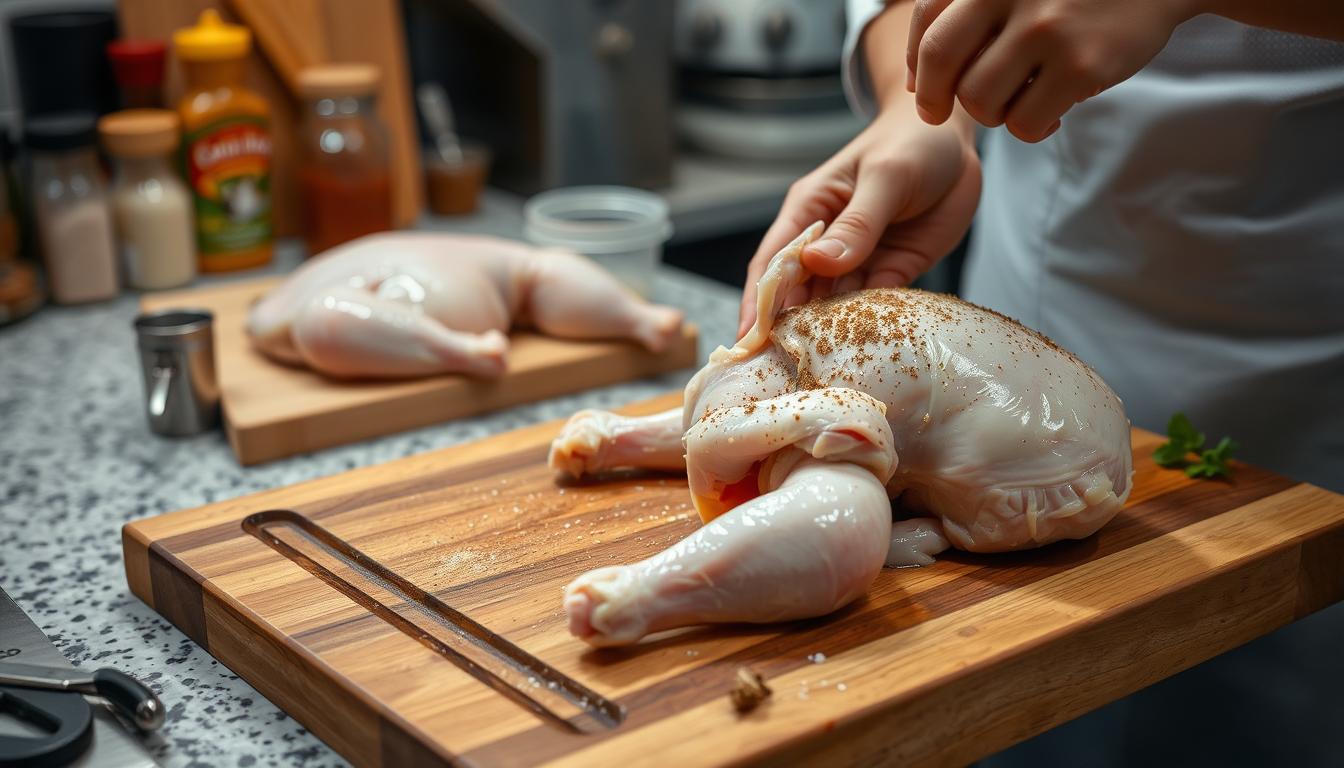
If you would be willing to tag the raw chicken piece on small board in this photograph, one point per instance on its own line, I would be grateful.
(272, 410)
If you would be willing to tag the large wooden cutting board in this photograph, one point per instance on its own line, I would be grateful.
(936, 665)
(272, 411)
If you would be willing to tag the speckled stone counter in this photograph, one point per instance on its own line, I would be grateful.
(77, 461)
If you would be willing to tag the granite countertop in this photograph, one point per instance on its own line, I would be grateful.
(77, 461)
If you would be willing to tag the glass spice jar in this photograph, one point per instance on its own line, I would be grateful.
(70, 206)
(345, 172)
(150, 204)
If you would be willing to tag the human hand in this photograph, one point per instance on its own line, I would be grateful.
(897, 199)
(1024, 63)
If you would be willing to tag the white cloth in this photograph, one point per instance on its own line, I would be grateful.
(1183, 233)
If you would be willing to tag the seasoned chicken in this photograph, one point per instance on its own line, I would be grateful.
(989, 436)
(402, 304)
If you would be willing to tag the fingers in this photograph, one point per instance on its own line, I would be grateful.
(1036, 112)
(946, 50)
(987, 89)
(921, 16)
(882, 190)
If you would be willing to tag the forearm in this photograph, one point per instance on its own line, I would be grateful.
(1316, 18)
(883, 47)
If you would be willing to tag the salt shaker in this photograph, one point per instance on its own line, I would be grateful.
(70, 205)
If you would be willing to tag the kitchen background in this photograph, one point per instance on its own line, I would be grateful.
(714, 105)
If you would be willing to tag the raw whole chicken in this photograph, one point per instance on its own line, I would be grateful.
(400, 305)
(795, 441)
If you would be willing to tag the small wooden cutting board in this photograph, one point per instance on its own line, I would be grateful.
(350, 602)
(272, 411)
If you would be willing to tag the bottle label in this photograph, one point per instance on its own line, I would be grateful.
(228, 164)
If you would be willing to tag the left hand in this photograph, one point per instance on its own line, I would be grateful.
(1024, 63)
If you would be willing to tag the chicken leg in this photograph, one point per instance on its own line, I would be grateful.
(805, 549)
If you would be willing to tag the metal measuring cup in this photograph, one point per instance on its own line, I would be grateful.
(177, 358)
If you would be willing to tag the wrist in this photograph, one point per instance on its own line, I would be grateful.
(897, 113)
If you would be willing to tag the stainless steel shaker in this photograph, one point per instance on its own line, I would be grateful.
(177, 358)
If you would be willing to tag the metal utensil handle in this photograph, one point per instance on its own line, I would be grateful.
(439, 115)
(158, 397)
(130, 697)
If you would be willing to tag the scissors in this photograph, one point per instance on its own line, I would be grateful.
(39, 687)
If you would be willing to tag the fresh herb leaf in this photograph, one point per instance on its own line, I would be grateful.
(1182, 439)
(1213, 462)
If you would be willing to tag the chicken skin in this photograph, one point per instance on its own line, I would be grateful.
(400, 305)
(989, 437)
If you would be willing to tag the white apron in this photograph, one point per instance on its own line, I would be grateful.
(1183, 233)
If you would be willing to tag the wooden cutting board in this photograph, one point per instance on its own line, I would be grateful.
(936, 665)
(272, 411)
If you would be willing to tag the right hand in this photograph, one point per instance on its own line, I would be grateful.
(896, 199)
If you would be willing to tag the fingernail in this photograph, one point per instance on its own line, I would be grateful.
(924, 113)
(1052, 130)
(830, 248)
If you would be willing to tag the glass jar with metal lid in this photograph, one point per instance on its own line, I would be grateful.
(70, 206)
(345, 172)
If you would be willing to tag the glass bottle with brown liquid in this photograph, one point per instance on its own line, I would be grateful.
(345, 175)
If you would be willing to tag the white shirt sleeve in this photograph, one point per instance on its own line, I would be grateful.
(858, 85)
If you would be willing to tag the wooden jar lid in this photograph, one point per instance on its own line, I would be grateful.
(332, 80)
(140, 132)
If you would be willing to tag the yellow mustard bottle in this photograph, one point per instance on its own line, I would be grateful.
(226, 146)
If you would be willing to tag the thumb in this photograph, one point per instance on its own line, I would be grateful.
(851, 238)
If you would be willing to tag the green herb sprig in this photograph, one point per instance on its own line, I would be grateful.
(1183, 439)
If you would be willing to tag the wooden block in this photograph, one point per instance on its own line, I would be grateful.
(272, 411)
(934, 666)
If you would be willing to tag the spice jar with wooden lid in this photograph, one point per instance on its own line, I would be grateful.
(150, 204)
(345, 173)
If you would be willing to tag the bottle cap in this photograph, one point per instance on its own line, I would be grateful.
(137, 63)
(212, 39)
(61, 131)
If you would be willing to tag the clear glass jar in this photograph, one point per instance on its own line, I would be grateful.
(150, 204)
(71, 209)
(620, 228)
(345, 172)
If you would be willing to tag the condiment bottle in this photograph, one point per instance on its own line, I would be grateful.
(70, 206)
(150, 204)
(345, 172)
(226, 146)
(138, 66)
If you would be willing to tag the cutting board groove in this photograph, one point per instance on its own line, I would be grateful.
(935, 665)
